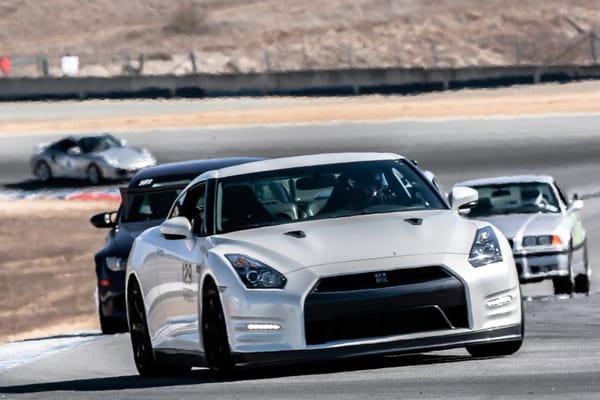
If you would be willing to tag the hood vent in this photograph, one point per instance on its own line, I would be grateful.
(296, 234)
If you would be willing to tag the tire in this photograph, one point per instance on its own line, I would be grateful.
(582, 281)
(42, 172)
(109, 325)
(214, 332)
(143, 354)
(501, 348)
(565, 284)
(94, 176)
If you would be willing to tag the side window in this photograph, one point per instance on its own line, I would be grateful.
(561, 194)
(191, 204)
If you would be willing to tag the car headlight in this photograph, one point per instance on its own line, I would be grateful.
(116, 263)
(485, 249)
(110, 161)
(254, 274)
(542, 240)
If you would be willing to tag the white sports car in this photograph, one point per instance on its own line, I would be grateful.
(542, 225)
(318, 257)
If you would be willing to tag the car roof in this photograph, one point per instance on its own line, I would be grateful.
(185, 169)
(295, 162)
(501, 180)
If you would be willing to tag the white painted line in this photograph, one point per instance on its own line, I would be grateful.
(26, 351)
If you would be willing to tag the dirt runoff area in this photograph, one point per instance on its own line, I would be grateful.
(580, 97)
(47, 277)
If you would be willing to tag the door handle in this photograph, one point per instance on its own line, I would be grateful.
(160, 252)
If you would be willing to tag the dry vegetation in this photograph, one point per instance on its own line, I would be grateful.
(253, 35)
(47, 277)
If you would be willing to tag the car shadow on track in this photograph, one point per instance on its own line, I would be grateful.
(202, 376)
(56, 184)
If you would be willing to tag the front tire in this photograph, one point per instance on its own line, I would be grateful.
(42, 172)
(582, 281)
(94, 176)
(565, 284)
(143, 354)
(110, 326)
(214, 332)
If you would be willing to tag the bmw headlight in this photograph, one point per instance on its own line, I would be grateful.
(485, 249)
(255, 274)
(113, 162)
(116, 263)
(542, 240)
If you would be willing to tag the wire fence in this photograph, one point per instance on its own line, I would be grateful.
(583, 50)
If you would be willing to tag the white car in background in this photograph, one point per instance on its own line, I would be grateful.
(318, 257)
(542, 225)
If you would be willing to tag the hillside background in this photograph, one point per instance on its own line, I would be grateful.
(257, 35)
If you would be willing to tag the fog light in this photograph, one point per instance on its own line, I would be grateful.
(499, 301)
(263, 327)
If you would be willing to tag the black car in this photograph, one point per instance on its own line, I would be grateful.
(146, 202)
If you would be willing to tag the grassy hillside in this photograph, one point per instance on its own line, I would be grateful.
(254, 35)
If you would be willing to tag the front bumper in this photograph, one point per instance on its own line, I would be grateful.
(406, 346)
(541, 265)
(286, 310)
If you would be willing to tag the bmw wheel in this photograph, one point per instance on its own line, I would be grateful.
(565, 284)
(214, 331)
(42, 172)
(582, 281)
(94, 176)
(143, 354)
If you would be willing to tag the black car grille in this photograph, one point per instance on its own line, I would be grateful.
(370, 280)
(363, 306)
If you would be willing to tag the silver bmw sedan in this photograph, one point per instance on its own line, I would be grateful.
(542, 225)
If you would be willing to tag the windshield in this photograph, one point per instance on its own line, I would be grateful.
(515, 198)
(326, 191)
(149, 206)
(92, 144)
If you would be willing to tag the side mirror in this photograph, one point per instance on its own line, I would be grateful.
(575, 205)
(74, 151)
(463, 198)
(104, 220)
(176, 228)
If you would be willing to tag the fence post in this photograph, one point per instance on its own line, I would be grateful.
(593, 43)
(193, 61)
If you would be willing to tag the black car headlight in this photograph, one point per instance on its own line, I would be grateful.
(116, 263)
(255, 274)
(485, 249)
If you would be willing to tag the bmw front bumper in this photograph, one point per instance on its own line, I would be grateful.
(541, 265)
(273, 325)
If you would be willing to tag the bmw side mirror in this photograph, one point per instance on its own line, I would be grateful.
(176, 228)
(104, 220)
(576, 205)
(463, 199)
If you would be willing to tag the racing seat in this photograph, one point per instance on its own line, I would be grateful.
(241, 208)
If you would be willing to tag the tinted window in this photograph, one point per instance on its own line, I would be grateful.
(149, 206)
(94, 144)
(515, 198)
(191, 205)
(318, 192)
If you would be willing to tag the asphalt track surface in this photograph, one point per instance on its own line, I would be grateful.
(560, 358)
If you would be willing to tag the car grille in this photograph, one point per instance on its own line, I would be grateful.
(362, 306)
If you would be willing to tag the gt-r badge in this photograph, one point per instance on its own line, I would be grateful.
(381, 278)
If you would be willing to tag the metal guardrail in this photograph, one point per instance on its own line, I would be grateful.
(317, 82)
